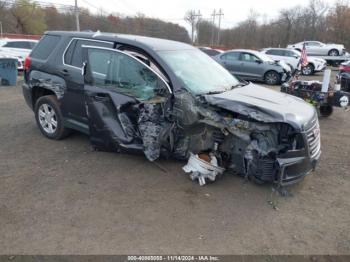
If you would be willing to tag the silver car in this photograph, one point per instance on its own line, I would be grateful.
(255, 66)
(318, 48)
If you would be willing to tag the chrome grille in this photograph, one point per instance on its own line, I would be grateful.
(313, 137)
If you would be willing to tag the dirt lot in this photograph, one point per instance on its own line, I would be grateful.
(59, 197)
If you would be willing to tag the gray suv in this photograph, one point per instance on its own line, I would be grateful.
(255, 66)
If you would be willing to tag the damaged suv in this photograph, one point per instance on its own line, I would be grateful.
(168, 99)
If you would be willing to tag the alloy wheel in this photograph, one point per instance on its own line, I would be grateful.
(47, 118)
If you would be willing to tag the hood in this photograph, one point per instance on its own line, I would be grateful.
(264, 105)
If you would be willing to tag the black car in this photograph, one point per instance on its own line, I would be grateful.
(168, 99)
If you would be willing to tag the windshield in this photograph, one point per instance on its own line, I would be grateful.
(199, 73)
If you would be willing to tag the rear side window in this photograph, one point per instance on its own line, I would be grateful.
(18, 44)
(275, 52)
(73, 55)
(46, 45)
(232, 56)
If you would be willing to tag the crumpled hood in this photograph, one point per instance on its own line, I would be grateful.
(264, 105)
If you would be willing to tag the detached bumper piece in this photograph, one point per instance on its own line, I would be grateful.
(203, 168)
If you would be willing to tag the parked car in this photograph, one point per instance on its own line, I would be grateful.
(318, 48)
(343, 77)
(210, 51)
(166, 98)
(292, 58)
(255, 66)
(19, 48)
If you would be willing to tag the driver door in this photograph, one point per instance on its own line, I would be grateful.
(116, 86)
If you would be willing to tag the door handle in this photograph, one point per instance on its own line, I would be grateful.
(65, 72)
(100, 96)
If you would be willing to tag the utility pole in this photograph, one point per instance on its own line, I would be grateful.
(220, 14)
(0, 29)
(213, 28)
(197, 18)
(77, 15)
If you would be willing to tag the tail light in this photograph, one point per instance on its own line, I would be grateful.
(27, 63)
(344, 68)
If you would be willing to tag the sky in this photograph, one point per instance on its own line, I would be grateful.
(174, 11)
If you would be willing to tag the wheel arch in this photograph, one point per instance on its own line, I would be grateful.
(42, 84)
(39, 91)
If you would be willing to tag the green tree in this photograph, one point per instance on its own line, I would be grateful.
(30, 18)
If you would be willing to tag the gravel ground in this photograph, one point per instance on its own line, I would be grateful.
(59, 197)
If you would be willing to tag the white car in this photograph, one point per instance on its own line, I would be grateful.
(19, 48)
(318, 48)
(292, 58)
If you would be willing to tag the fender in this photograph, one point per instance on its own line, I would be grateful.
(50, 82)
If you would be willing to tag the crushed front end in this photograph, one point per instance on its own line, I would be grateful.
(264, 145)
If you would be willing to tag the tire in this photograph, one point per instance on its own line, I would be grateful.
(308, 70)
(333, 52)
(272, 78)
(49, 118)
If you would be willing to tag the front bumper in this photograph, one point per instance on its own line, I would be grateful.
(294, 165)
(320, 67)
(294, 169)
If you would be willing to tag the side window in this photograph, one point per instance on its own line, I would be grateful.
(277, 52)
(124, 74)
(18, 44)
(313, 44)
(290, 53)
(73, 55)
(23, 45)
(31, 45)
(45, 47)
(10, 44)
(231, 56)
(246, 57)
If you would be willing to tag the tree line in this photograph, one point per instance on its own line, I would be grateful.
(316, 21)
(32, 17)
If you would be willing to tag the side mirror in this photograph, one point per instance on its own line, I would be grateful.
(258, 61)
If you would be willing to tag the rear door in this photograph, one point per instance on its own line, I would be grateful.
(117, 87)
(230, 61)
(252, 67)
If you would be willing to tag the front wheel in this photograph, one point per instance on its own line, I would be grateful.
(49, 118)
(272, 78)
(308, 70)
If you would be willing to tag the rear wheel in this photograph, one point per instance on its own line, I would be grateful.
(308, 70)
(333, 52)
(49, 117)
(272, 78)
